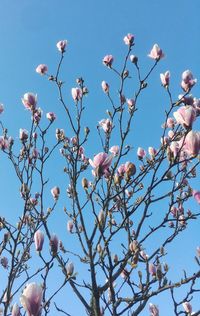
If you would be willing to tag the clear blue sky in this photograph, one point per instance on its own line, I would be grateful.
(29, 31)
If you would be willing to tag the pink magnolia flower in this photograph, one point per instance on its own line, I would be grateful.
(108, 60)
(54, 244)
(196, 195)
(133, 246)
(144, 255)
(131, 103)
(101, 163)
(187, 307)
(70, 226)
(39, 240)
(134, 59)
(154, 311)
(186, 99)
(51, 116)
(70, 269)
(185, 116)
(4, 143)
(55, 193)
(1, 108)
(29, 101)
(141, 153)
(37, 114)
(165, 78)
(188, 80)
(31, 299)
(23, 135)
(76, 94)
(106, 125)
(152, 269)
(152, 151)
(192, 143)
(156, 53)
(114, 150)
(61, 45)
(129, 39)
(105, 86)
(170, 122)
(15, 310)
(41, 69)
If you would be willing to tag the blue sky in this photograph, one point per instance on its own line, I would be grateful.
(29, 31)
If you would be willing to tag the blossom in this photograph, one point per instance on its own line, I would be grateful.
(114, 150)
(51, 116)
(185, 116)
(70, 269)
(101, 163)
(76, 94)
(196, 195)
(187, 307)
(23, 135)
(188, 80)
(31, 299)
(156, 53)
(152, 151)
(153, 310)
(106, 125)
(152, 269)
(29, 100)
(108, 60)
(61, 45)
(131, 103)
(141, 153)
(70, 226)
(54, 244)
(4, 143)
(129, 39)
(39, 240)
(105, 86)
(192, 143)
(134, 59)
(55, 193)
(41, 69)
(15, 310)
(165, 78)
(170, 122)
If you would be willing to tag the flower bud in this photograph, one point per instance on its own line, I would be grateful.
(54, 244)
(55, 193)
(39, 240)
(70, 269)
(61, 45)
(41, 69)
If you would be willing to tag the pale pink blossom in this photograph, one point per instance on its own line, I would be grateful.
(114, 150)
(29, 100)
(23, 135)
(152, 269)
(108, 60)
(144, 255)
(196, 104)
(165, 78)
(41, 69)
(70, 226)
(15, 310)
(171, 134)
(131, 103)
(154, 311)
(61, 45)
(54, 244)
(170, 122)
(186, 99)
(76, 94)
(121, 170)
(156, 53)
(70, 269)
(39, 240)
(51, 116)
(1, 108)
(133, 246)
(196, 195)
(55, 193)
(129, 39)
(185, 116)
(152, 151)
(188, 80)
(141, 153)
(101, 217)
(101, 163)
(105, 86)
(106, 125)
(187, 307)
(134, 59)
(4, 143)
(31, 299)
(192, 143)
(37, 114)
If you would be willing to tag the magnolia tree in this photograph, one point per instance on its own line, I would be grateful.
(113, 197)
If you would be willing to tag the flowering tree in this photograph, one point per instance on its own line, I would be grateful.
(111, 213)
